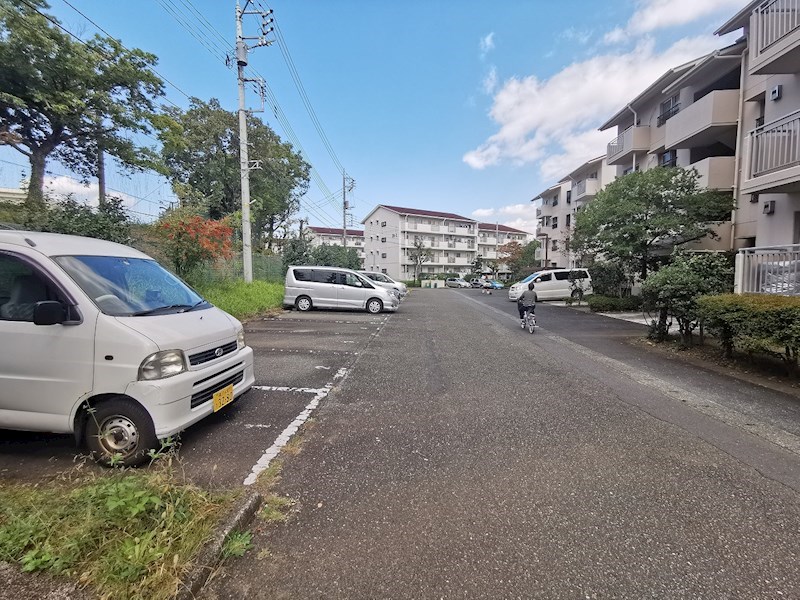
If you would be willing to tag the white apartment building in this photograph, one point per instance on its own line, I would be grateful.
(390, 232)
(558, 205)
(491, 236)
(331, 236)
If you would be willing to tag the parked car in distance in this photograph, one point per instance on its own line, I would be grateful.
(384, 280)
(554, 284)
(476, 282)
(492, 284)
(102, 342)
(456, 282)
(310, 287)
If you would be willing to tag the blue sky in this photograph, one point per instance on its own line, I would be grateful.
(453, 105)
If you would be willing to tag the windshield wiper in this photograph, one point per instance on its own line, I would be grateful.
(150, 311)
(196, 305)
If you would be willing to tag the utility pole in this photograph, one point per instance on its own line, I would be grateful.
(348, 183)
(244, 163)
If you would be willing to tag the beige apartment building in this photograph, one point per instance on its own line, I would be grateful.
(558, 205)
(455, 241)
(492, 236)
(332, 236)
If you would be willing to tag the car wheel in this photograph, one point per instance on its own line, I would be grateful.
(120, 432)
(303, 303)
(374, 306)
(577, 294)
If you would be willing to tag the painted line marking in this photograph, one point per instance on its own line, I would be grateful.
(319, 394)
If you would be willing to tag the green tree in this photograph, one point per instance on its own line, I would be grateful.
(201, 153)
(330, 255)
(63, 99)
(524, 263)
(296, 251)
(419, 255)
(675, 289)
(641, 216)
(109, 221)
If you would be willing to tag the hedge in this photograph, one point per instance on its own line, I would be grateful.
(599, 303)
(759, 323)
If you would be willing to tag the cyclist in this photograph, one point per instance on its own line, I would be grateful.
(526, 303)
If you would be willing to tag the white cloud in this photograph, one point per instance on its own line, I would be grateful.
(482, 213)
(61, 185)
(516, 209)
(554, 120)
(486, 44)
(615, 36)
(581, 36)
(652, 15)
(490, 81)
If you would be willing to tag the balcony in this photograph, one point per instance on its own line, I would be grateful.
(775, 37)
(622, 148)
(711, 119)
(586, 188)
(768, 270)
(772, 157)
(716, 172)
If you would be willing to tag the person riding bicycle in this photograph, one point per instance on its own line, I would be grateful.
(526, 303)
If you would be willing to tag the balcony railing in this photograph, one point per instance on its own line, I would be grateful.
(774, 20)
(668, 114)
(451, 244)
(580, 189)
(769, 270)
(775, 146)
(451, 259)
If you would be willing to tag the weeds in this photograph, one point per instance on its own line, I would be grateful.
(237, 543)
(127, 534)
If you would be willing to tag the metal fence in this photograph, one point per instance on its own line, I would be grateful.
(773, 20)
(769, 270)
(775, 146)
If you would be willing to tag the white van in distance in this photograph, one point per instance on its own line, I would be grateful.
(101, 341)
(554, 284)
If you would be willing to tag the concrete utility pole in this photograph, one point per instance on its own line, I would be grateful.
(244, 163)
(348, 183)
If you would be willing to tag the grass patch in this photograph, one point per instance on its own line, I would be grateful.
(244, 300)
(276, 508)
(126, 534)
(237, 543)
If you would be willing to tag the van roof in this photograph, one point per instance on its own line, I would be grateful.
(58, 244)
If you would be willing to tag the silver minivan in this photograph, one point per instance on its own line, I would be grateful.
(310, 287)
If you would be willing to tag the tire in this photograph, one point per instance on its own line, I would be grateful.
(531, 325)
(374, 306)
(303, 303)
(120, 432)
(577, 295)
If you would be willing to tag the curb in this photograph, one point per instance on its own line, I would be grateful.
(209, 557)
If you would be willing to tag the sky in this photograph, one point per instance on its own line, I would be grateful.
(449, 105)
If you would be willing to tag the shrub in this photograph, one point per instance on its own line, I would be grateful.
(609, 279)
(755, 323)
(192, 240)
(600, 303)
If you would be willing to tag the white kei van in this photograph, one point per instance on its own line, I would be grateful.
(310, 287)
(554, 284)
(101, 341)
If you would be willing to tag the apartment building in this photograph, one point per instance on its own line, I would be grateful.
(559, 204)
(491, 236)
(331, 236)
(390, 233)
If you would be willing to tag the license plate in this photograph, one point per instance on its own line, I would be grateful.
(223, 397)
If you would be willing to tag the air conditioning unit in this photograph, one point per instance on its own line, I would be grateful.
(769, 207)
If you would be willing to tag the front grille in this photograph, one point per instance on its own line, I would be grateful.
(207, 355)
(206, 395)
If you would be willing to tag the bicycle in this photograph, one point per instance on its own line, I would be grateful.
(530, 321)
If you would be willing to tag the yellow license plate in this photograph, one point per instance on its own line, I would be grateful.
(223, 397)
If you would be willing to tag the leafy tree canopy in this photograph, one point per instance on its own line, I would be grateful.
(107, 222)
(201, 153)
(644, 214)
(419, 255)
(64, 99)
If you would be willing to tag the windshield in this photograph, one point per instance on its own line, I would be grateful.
(124, 287)
(530, 277)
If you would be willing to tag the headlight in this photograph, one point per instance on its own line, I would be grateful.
(240, 339)
(162, 364)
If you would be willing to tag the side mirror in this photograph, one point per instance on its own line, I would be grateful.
(48, 312)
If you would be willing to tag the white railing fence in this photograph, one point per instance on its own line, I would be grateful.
(773, 20)
(776, 145)
(768, 270)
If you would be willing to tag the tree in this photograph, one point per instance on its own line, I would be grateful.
(201, 153)
(419, 255)
(641, 216)
(521, 260)
(296, 251)
(675, 289)
(109, 221)
(330, 255)
(64, 99)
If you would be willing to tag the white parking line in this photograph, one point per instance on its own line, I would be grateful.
(319, 393)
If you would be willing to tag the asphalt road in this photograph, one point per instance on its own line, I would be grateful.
(461, 457)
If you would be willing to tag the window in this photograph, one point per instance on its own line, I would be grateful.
(383, 239)
(383, 223)
(303, 275)
(592, 175)
(561, 275)
(383, 254)
(383, 271)
(669, 108)
(20, 289)
(546, 276)
(569, 196)
(555, 223)
(569, 218)
(324, 276)
(668, 159)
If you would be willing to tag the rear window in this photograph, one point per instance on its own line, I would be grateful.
(302, 274)
(580, 274)
(561, 275)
